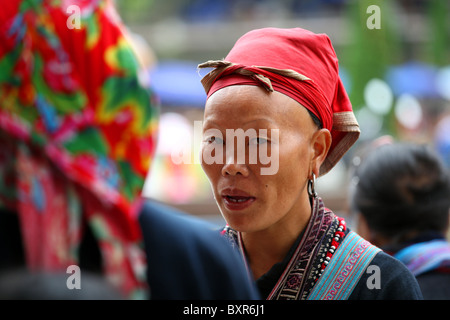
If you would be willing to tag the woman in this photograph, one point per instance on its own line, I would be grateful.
(402, 201)
(281, 87)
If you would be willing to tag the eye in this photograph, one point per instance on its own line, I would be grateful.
(259, 140)
(214, 139)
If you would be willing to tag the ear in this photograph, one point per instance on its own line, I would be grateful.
(320, 143)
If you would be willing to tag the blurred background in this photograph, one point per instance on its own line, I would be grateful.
(395, 64)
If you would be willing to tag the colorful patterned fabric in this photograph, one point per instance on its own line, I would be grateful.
(425, 256)
(320, 259)
(345, 269)
(77, 131)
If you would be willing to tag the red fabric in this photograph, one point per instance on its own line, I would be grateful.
(310, 54)
(77, 135)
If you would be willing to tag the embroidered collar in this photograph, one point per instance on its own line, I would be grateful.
(307, 259)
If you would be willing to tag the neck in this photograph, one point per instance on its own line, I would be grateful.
(267, 247)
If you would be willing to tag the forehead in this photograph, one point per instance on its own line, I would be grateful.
(245, 103)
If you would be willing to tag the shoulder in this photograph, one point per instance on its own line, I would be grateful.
(189, 259)
(165, 227)
(160, 218)
(386, 278)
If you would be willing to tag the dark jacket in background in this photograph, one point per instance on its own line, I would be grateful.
(189, 259)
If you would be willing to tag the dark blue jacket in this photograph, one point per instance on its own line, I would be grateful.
(189, 259)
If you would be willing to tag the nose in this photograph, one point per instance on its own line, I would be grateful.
(232, 168)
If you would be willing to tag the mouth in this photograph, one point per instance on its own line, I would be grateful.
(237, 199)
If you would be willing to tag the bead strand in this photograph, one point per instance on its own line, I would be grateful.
(336, 240)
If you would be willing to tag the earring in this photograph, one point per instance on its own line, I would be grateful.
(311, 187)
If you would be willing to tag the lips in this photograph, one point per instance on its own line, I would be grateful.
(235, 199)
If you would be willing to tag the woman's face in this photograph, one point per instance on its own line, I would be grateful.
(249, 200)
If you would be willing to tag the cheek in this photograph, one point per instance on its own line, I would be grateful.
(293, 171)
(295, 157)
(212, 171)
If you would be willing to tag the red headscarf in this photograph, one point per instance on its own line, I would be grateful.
(296, 62)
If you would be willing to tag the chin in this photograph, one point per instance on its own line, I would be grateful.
(241, 224)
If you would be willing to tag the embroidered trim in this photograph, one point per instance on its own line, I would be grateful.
(334, 237)
(319, 250)
(291, 283)
(345, 269)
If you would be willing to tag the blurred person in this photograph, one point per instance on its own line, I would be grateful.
(401, 197)
(441, 138)
(189, 259)
(78, 133)
(283, 85)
